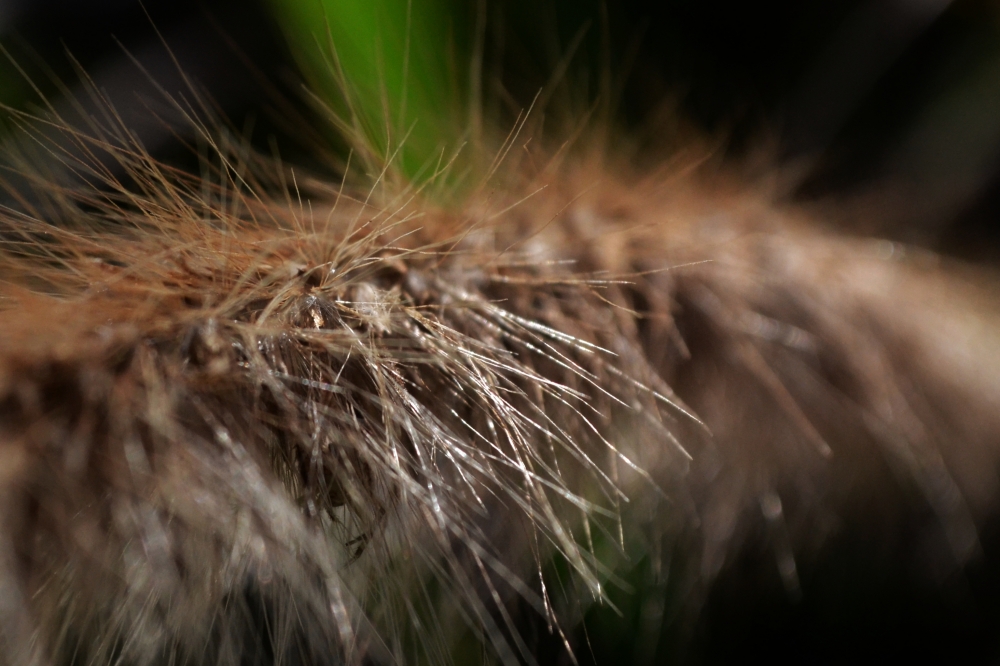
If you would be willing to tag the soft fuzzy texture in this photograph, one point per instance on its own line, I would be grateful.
(253, 418)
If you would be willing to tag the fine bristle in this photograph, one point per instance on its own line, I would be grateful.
(253, 418)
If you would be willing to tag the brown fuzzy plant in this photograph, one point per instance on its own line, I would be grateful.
(253, 417)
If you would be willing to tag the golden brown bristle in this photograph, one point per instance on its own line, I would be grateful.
(237, 427)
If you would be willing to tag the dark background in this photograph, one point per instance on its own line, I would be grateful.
(889, 109)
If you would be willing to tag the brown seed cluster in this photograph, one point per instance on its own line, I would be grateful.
(238, 429)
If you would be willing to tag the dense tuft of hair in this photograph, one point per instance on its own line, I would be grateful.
(249, 417)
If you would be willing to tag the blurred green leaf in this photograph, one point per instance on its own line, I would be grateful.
(391, 69)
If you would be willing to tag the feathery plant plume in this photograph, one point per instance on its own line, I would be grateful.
(260, 394)
(253, 416)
